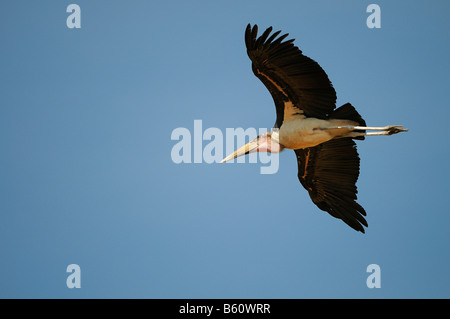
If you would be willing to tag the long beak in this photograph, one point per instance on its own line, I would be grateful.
(247, 148)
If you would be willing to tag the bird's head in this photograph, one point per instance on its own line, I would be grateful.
(266, 142)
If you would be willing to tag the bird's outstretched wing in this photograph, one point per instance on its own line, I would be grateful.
(289, 75)
(329, 172)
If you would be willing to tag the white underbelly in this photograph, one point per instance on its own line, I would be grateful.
(304, 133)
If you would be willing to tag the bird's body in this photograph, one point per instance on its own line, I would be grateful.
(307, 132)
(309, 123)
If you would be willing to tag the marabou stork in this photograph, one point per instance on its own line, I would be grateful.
(309, 123)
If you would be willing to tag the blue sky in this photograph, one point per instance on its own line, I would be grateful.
(86, 175)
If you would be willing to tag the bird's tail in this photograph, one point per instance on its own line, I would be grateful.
(348, 112)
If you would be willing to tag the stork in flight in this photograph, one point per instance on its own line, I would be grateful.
(309, 123)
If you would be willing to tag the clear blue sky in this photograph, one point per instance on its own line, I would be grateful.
(86, 175)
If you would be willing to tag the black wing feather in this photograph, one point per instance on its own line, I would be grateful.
(329, 172)
(289, 75)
